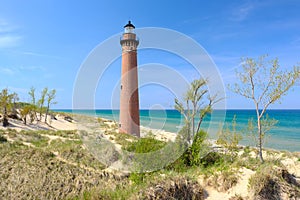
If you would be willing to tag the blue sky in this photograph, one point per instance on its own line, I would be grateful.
(44, 43)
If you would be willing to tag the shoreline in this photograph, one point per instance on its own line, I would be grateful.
(284, 136)
(62, 124)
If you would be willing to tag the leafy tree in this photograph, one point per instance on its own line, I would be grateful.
(5, 102)
(33, 103)
(41, 102)
(15, 98)
(193, 155)
(230, 137)
(262, 82)
(195, 106)
(267, 124)
(26, 110)
(50, 98)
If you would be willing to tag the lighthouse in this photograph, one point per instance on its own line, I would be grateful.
(129, 121)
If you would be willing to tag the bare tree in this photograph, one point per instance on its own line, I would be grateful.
(197, 104)
(262, 82)
(50, 98)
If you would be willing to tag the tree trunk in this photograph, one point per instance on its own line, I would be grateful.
(40, 114)
(193, 127)
(260, 140)
(35, 116)
(199, 124)
(189, 133)
(47, 110)
(5, 120)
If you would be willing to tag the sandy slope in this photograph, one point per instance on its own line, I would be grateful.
(241, 188)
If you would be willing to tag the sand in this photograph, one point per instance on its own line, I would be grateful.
(59, 124)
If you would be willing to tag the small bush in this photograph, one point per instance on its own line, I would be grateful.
(272, 182)
(194, 154)
(122, 139)
(246, 152)
(262, 183)
(198, 154)
(137, 178)
(173, 188)
(236, 197)
(223, 180)
(230, 138)
(211, 159)
(145, 145)
(177, 166)
(2, 139)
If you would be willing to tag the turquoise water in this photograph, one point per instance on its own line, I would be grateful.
(284, 136)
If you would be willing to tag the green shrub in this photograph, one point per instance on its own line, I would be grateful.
(122, 138)
(230, 138)
(2, 139)
(194, 153)
(247, 151)
(212, 159)
(137, 178)
(177, 166)
(145, 145)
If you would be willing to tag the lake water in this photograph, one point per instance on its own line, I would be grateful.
(284, 136)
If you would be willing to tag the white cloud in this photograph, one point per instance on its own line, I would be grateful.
(7, 71)
(5, 27)
(241, 13)
(9, 41)
(32, 68)
(29, 53)
(20, 69)
(8, 37)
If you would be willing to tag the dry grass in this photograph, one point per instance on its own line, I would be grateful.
(236, 197)
(271, 182)
(173, 188)
(222, 180)
(61, 168)
(28, 173)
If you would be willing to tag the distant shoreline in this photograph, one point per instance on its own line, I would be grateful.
(284, 136)
(230, 109)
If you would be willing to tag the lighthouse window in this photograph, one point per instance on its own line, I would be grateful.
(121, 87)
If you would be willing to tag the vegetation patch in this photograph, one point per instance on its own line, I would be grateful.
(123, 139)
(74, 152)
(28, 173)
(33, 137)
(145, 145)
(223, 180)
(271, 182)
(173, 188)
(2, 139)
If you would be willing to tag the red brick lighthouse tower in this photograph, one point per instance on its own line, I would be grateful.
(129, 97)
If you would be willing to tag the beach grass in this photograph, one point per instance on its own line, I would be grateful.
(41, 155)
